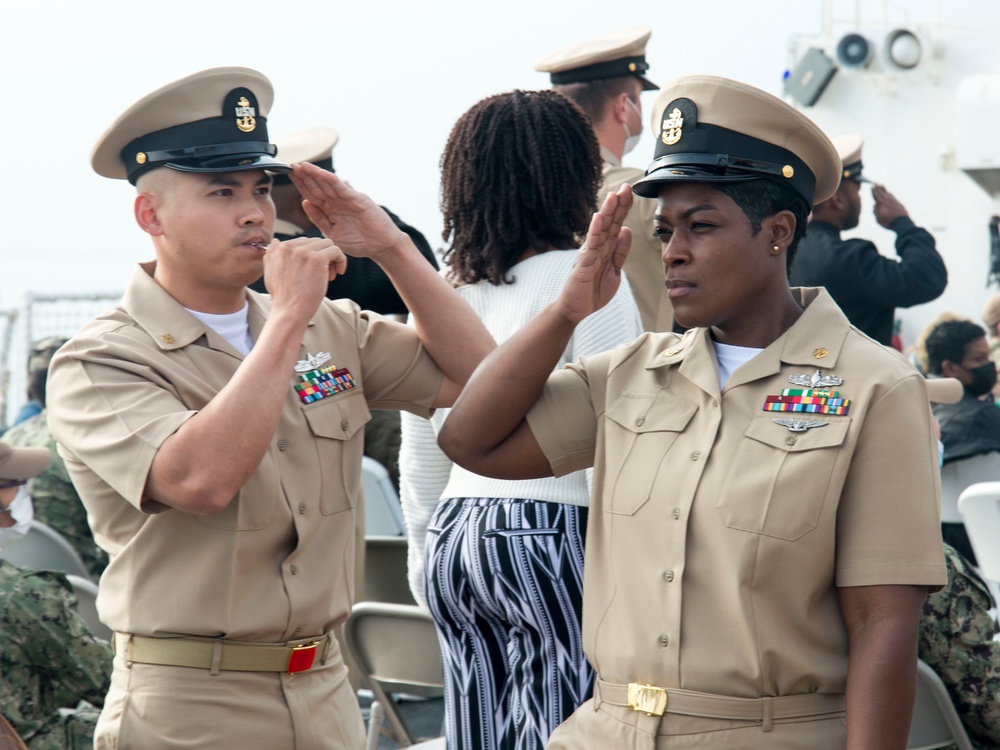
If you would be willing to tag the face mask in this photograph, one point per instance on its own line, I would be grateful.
(631, 141)
(984, 378)
(22, 511)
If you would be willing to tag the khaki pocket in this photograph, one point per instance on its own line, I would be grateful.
(778, 479)
(338, 422)
(641, 428)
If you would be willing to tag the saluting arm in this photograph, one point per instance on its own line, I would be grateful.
(486, 431)
(448, 327)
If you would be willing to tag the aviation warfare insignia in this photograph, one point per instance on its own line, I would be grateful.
(312, 361)
(799, 425)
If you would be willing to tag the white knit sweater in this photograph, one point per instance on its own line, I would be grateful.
(427, 475)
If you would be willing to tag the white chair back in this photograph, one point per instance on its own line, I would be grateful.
(980, 509)
(935, 721)
(43, 548)
(965, 472)
(383, 511)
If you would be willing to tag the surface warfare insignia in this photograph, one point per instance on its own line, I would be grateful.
(246, 116)
(799, 425)
(317, 380)
(816, 380)
(673, 127)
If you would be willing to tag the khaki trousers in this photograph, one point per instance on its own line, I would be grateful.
(153, 707)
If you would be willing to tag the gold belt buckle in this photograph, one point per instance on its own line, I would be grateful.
(647, 698)
(301, 657)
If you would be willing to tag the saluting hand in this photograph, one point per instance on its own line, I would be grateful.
(598, 269)
(351, 219)
(887, 206)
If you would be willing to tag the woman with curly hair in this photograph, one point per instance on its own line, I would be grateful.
(500, 563)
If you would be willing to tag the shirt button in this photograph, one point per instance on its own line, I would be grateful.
(790, 440)
(640, 421)
(676, 513)
(296, 631)
(294, 570)
(668, 576)
(695, 455)
(664, 640)
(282, 445)
(715, 402)
(344, 425)
(302, 509)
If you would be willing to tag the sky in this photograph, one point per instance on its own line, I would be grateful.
(391, 76)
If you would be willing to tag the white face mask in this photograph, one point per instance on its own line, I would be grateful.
(631, 141)
(22, 511)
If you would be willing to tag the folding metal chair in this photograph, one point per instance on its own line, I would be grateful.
(935, 721)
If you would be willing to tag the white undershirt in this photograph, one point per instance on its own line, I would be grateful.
(233, 327)
(730, 358)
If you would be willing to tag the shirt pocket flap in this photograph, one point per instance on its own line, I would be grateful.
(765, 430)
(651, 412)
(338, 417)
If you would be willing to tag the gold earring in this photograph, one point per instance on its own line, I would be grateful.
(776, 249)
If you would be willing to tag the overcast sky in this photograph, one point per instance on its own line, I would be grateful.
(391, 75)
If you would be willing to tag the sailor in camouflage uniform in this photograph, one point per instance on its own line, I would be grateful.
(52, 492)
(956, 640)
(48, 658)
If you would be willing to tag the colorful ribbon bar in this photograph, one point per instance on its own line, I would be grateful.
(818, 392)
(323, 382)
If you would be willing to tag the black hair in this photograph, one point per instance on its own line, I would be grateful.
(520, 172)
(948, 341)
(761, 198)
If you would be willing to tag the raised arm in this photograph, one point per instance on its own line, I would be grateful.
(449, 329)
(486, 432)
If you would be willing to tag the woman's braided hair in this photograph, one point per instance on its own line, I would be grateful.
(520, 172)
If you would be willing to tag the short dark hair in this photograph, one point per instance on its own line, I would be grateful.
(949, 341)
(593, 96)
(520, 172)
(761, 198)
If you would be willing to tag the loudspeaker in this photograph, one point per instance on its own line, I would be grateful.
(904, 49)
(810, 77)
(854, 51)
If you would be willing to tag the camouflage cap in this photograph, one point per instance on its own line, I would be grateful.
(42, 351)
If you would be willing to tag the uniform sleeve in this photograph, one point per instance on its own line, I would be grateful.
(564, 419)
(111, 411)
(57, 642)
(424, 471)
(398, 371)
(956, 640)
(918, 276)
(888, 523)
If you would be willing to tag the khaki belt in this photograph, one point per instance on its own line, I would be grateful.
(658, 701)
(219, 655)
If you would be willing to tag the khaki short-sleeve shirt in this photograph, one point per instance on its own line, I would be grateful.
(644, 264)
(718, 537)
(278, 562)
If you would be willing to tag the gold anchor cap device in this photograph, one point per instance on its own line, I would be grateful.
(211, 121)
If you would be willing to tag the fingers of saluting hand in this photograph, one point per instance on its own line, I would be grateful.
(318, 185)
(605, 234)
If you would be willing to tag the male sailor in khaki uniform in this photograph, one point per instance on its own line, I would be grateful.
(605, 77)
(215, 434)
(764, 525)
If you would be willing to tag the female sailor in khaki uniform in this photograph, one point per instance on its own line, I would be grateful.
(764, 522)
